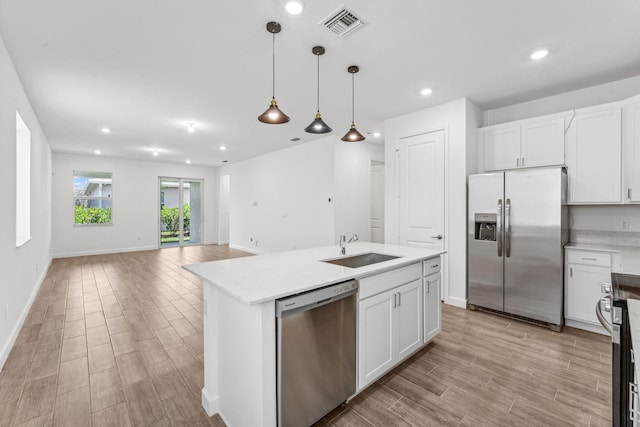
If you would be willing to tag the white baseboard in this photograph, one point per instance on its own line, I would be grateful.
(455, 301)
(222, 242)
(8, 345)
(598, 329)
(243, 248)
(210, 405)
(104, 251)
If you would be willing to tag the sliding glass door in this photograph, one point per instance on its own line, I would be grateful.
(181, 206)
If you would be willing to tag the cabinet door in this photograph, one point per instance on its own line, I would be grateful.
(432, 314)
(594, 156)
(583, 291)
(375, 348)
(501, 148)
(631, 147)
(542, 143)
(409, 318)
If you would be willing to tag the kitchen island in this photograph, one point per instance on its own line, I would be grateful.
(240, 319)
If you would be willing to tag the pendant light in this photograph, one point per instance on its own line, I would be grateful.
(353, 135)
(318, 125)
(273, 115)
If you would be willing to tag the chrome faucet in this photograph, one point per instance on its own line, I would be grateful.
(344, 242)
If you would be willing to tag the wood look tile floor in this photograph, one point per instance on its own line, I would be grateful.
(116, 340)
(112, 340)
(487, 370)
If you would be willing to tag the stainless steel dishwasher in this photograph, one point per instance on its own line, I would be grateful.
(316, 339)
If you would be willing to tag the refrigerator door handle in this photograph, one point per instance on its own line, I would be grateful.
(507, 228)
(499, 221)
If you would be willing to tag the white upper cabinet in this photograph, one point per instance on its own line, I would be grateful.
(501, 147)
(594, 155)
(542, 143)
(525, 143)
(631, 147)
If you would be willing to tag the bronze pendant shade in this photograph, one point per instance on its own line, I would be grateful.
(318, 125)
(273, 115)
(353, 135)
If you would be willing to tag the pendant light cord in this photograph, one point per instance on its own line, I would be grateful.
(353, 119)
(318, 97)
(273, 62)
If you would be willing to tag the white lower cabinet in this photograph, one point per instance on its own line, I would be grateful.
(398, 312)
(390, 326)
(585, 272)
(432, 315)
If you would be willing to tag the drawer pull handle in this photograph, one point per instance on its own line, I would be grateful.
(434, 265)
(590, 259)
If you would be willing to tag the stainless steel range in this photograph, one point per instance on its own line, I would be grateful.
(613, 314)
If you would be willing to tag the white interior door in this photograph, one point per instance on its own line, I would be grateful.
(377, 202)
(421, 204)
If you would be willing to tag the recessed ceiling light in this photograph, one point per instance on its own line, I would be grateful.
(426, 91)
(294, 7)
(223, 148)
(105, 130)
(97, 152)
(155, 153)
(376, 134)
(188, 162)
(191, 127)
(539, 54)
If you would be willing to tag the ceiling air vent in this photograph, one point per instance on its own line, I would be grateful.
(342, 22)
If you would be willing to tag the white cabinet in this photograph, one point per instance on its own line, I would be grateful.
(500, 147)
(431, 285)
(390, 321)
(631, 149)
(542, 143)
(526, 143)
(594, 157)
(432, 314)
(585, 272)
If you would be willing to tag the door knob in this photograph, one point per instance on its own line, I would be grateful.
(439, 237)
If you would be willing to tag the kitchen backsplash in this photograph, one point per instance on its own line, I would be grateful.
(613, 225)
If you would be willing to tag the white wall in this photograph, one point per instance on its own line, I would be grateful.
(459, 119)
(23, 268)
(601, 224)
(601, 94)
(136, 202)
(291, 189)
(279, 201)
(352, 187)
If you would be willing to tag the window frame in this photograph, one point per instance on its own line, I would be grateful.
(23, 182)
(96, 175)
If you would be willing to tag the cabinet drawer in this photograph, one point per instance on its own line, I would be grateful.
(602, 259)
(373, 285)
(431, 266)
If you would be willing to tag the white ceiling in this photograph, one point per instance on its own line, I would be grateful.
(144, 68)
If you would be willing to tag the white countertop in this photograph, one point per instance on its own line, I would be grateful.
(629, 256)
(262, 278)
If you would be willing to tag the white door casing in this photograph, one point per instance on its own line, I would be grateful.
(377, 202)
(421, 193)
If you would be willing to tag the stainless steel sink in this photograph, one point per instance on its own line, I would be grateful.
(360, 260)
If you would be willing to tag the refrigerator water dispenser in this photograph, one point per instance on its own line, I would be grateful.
(485, 226)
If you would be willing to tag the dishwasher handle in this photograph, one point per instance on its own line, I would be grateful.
(316, 298)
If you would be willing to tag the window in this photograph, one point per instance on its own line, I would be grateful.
(92, 197)
(23, 182)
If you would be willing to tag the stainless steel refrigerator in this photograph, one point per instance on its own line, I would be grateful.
(517, 230)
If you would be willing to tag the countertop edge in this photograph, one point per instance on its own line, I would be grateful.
(355, 274)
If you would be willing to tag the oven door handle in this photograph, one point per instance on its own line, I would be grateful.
(600, 316)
